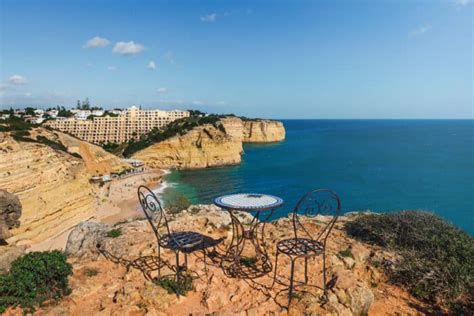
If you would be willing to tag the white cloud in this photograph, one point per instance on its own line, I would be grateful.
(197, 102)
(128, 48)
(96, 42)
(221, 103)
(163, 90)
(462, 3)
(151, 65)
(112, 68)
(169, 56)
(209, 17)
(17, 80)
(420, 30)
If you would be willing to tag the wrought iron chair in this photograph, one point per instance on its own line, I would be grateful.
(304, 245)
(182, 241)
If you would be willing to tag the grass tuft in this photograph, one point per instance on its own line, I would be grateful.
(114, 233)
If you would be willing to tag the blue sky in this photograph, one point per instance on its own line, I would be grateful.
(277, 59)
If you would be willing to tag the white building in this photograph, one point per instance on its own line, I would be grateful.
(53, 113)
(82, 114)
(129, 124)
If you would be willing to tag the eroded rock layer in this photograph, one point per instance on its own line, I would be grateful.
(263, 131)
(52, 184)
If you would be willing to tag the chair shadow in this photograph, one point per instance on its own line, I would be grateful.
(148, 265)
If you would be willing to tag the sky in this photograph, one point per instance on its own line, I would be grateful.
(273, 59)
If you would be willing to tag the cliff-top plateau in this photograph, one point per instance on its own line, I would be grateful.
(117, 279)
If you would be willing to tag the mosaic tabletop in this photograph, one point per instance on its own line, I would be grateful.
(248, 201)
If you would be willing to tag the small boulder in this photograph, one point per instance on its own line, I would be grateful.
(84, 238)
(8, 254)
(10, 212)
(360, 252)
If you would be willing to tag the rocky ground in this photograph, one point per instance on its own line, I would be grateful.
(119, 281)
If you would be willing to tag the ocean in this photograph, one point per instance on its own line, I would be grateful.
(377, 165)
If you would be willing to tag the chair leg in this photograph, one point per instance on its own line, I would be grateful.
(324, 275)
(276, 267)
(290, 290)
(205, 263)
(305, 270)
(159, 260)
(178, 270)
(185, 261)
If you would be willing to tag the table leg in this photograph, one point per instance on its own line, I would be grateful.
(255, 236)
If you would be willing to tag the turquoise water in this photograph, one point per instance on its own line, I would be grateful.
(378, 165)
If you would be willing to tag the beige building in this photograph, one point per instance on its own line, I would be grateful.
(129, 124)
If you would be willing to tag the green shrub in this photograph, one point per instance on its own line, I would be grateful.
(346, 253)
(175, 202)
(114, 233)
(182, 287)
(14, 123)
(437, 257)
(21, 133)
(34, 279)
(248, 261)
(110, 147)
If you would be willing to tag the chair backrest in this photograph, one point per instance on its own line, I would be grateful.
(154, 213)
(317, 202)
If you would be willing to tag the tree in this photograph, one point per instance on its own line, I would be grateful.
(29, 111)
(86, 104)
(78, 104)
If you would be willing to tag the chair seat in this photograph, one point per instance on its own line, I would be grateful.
(300, 247)
(181, 240)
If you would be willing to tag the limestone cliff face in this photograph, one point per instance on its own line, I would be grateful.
(204, 146)
(254, 131)
(263, 131)
(208, 146)
(52, 185)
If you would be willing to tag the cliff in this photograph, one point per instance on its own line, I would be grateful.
(202, 147)
(207, 146)
(254, 131)
(263, 131)
(52, 184)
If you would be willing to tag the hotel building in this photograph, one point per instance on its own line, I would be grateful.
(129, 124)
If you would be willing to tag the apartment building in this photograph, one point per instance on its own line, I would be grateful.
(129, 124)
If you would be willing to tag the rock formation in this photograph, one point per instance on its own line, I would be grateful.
(52, 185)
(254, 131)
(120, 285)
(202, 147)
(263, 131)
(207, 146)
(84, 238)
(10, 212)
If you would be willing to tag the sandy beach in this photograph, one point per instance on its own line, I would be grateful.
(116, 201)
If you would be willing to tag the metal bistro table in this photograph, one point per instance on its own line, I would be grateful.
(241, 261)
